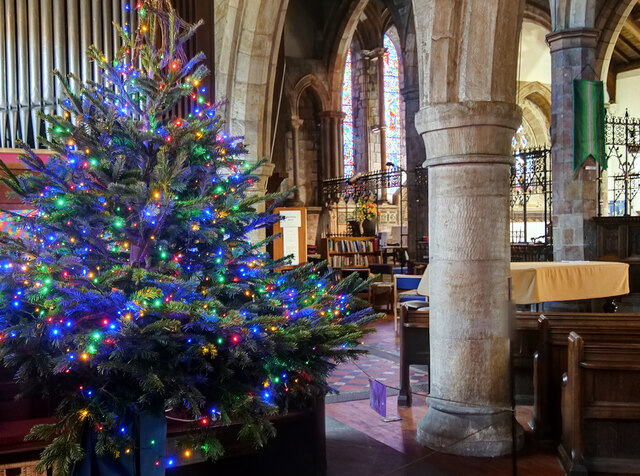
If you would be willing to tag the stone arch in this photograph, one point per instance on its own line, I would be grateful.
(535, 102)
(611, 18)
(349, 15)
(309, 81)
(309, 153)
(248, 35)
(538, 12)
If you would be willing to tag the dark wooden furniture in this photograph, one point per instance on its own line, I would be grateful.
(601, 408)
(414, 350)
(551, 358)
(618, 239)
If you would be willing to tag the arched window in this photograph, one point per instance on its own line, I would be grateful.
(395, 150)
(347, 109)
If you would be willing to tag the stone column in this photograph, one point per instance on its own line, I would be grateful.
(417, 200)
(468, 148)
(260, 189)
(296, 123)
(575, 195)
(332, 138)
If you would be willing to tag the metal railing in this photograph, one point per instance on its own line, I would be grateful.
(622, 147)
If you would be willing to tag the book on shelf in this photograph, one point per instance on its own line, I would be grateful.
(355, 261)
(352, 246)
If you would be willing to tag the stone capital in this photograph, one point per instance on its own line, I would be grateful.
(466, 132)
(296, 122)
(374, 54)
(573, 38)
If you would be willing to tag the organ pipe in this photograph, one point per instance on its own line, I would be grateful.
(3, 83)
(35, 79)
(37, 36)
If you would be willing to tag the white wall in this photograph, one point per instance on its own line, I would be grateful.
(627, 97)
(534, 54)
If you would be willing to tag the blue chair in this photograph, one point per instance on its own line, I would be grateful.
(405, 290)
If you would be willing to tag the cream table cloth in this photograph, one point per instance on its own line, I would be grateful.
(560, 281)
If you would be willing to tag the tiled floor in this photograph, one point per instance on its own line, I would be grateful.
(354, 377)
(360, 442)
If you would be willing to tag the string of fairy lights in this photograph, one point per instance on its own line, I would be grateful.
(83, 238)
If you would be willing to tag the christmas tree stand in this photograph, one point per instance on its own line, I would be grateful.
(298, 448)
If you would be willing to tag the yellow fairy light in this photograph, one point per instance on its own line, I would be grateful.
(187, 454)
(84, 414)
(157, 194)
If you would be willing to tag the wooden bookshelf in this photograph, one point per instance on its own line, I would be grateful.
(351, 252)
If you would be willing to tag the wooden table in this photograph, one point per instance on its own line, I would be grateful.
(544, 281)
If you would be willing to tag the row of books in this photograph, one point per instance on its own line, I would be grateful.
(355, 261)
(352, 246)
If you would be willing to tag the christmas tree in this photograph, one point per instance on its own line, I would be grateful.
(136, 291)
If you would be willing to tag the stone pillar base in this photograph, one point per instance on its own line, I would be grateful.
(467, 431)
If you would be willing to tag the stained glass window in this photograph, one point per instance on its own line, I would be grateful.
(395, 145)
(347, 109)
(519, 140)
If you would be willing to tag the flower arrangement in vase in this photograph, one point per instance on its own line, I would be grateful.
(367, 214)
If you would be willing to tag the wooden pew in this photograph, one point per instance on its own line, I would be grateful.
(414, 350)
(601, 408)
(551, 358)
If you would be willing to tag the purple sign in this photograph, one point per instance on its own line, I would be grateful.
(378, 397)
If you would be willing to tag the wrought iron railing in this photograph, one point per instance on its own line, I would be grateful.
(622, 147)
(531, 192)
(531, 195)
(340, 191)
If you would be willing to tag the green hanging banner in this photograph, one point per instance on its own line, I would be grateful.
(588, 122)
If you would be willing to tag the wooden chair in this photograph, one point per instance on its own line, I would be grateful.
(551, 358)
(601, 408)
(405, 290)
